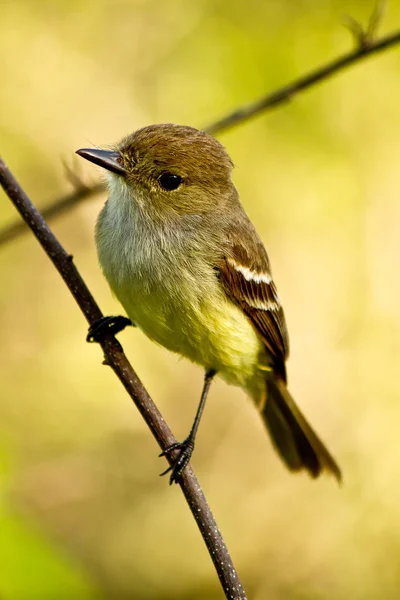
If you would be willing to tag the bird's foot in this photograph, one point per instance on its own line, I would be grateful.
(185, 452)
(107, 326)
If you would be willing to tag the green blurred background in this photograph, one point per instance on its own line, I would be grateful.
(83, 513)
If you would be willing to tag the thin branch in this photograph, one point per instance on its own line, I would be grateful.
(116, 359)
(73, 173)
(375, 20)
(56, 208)
(366, 47)
(286, 93)
(365, 37)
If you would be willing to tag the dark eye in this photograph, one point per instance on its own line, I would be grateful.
(169, 181)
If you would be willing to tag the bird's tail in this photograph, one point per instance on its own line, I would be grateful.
(292, 436)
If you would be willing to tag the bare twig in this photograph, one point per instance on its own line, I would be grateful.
(364, 38)
(73, 173)
(357, 31)
(116, 359)
(365, 47)
(289, 91)
(375, 20)
(56, 208)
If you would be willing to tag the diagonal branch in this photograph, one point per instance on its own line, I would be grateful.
(116, 359)
(366, 47)
(287, 92)
(57, 208)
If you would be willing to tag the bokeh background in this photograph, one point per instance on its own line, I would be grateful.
(83, 513)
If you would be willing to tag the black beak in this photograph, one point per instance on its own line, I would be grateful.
(104, 158)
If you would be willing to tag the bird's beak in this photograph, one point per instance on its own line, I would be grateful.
(104, 158)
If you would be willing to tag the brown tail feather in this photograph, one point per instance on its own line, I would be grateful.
(294, 439)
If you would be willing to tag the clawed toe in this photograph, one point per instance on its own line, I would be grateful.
(180, 463)
(107, 326)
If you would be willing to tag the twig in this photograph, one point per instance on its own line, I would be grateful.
(375, 20)
(365, 37)
(73, 173)
(289, 91)
(366, 47)
(116, 359)
(56, 208)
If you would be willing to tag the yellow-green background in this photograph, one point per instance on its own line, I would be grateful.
(83, 513)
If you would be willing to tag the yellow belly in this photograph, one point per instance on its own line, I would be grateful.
(208, 329)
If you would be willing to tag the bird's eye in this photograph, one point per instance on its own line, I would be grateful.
(169, 181)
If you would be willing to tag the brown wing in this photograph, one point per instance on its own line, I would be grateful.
(248, 282)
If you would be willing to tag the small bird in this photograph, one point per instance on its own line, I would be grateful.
(187, 265)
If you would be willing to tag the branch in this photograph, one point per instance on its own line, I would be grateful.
(286, 93)
(116, 359)
(56, 208)
(366, 47)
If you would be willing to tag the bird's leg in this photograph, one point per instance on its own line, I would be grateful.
(187, 446)
(107, 326)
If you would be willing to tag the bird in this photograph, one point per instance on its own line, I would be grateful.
(183, 258)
